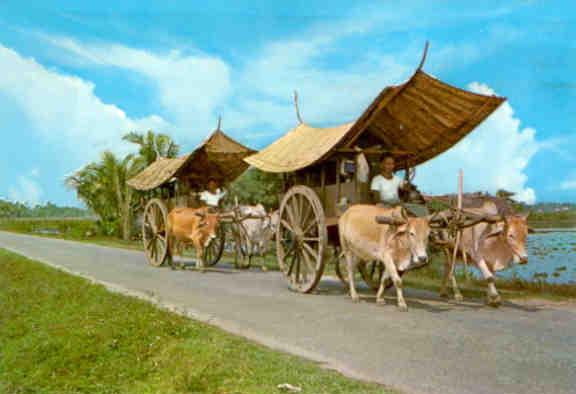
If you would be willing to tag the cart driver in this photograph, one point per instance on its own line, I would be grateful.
(213, 194)
(385, 186)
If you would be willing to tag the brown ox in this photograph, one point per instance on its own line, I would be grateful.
(396, 240)
(194, 226)
(491, 247)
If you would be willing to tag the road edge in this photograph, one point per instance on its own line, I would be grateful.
(225, 325)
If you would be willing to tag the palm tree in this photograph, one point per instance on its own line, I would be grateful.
(153, 145)
(102, 187)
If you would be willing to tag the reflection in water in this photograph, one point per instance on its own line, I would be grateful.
(551, 256)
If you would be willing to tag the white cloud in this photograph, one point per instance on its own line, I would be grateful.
(26, 191)
(64, 109)
(193, 88)
(190, 87)
(494, 156)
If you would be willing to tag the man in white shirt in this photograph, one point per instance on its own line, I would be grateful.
(385, 186)
(212, 195)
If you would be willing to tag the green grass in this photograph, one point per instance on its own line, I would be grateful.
(553, 219)
(430, 278)
(61, 334)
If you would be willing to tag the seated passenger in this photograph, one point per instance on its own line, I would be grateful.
(212, 195)
(385, 186)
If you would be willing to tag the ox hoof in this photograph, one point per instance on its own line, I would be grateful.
(381, 301)
(458, 298)
(443, 294)
(355, 299)
(494, 301)
(403, 308)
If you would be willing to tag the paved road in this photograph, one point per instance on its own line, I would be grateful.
(435, 347)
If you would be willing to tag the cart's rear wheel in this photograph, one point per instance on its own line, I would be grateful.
(243, 253)
(372, 272)
(340, 267)
(213, 252)
(154, 232)
(301, 238)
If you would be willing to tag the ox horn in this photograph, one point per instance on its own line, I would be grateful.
(389, 220)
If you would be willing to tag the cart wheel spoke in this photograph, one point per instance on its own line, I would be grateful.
(312, 252)
(287, 225)
(309, 262)
(154, 237)
(300, 253)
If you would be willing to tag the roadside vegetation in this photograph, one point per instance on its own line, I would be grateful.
(114, 207)
(62, 334)
(472, 286)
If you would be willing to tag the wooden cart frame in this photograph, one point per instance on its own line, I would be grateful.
(414, 121)
(174, 182)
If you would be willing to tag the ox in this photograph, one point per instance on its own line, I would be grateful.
(258, 228)
(396, 240)
(491, 247)
(195, 226)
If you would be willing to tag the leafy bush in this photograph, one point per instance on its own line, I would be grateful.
(68, 228)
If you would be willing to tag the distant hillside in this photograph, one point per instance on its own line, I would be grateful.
(10, 209)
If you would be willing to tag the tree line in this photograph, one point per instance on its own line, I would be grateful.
(10, 209)
(102, 185)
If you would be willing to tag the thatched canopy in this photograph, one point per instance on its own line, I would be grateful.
(218, 157)
(422, 117)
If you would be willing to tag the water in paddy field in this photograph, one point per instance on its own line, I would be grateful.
(551, 257)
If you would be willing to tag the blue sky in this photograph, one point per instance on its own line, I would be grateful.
(75, 76)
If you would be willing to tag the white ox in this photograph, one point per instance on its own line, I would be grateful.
(258, 228)
(491, 247)
(396, 240)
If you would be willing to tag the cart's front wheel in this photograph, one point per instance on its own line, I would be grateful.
(215, 248)
(154, 232)
(301, 238)
(372, 273)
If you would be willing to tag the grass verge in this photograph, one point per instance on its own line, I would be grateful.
(61, 334)
(430, 278)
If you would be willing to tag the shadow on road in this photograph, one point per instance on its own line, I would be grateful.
(420, 299)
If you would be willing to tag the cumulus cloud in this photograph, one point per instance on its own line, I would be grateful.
(256, 94)
(494, 156)
(190, 87)
(64, 109)
(327, 94)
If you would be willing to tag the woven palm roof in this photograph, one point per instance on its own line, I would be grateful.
(423, 116)
(219, 157)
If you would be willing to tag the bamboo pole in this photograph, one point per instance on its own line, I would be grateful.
(297, 107)
(458, 235)
(460, 198)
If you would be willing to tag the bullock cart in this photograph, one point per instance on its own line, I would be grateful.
(327, 169)
(170, 183)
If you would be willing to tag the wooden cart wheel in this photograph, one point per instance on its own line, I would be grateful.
(213, 252)
(340, 268)
(154, 234)
(243, 256)
(301, 238)
(372, 272)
